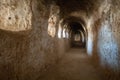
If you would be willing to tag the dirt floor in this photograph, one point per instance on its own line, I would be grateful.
(75, 65)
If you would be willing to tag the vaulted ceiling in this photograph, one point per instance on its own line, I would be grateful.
(68, 6)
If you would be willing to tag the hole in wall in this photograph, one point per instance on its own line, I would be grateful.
(9, 18)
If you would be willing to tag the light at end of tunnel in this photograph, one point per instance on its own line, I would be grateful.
(77, 37)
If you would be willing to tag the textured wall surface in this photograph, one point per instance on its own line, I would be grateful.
(111, 36)
(26, 49)
(15, 15)
(107, 44)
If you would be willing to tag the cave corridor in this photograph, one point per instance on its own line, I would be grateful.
(59, 40)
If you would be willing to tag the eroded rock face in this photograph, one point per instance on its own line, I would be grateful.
(15, 15)
(26, 49)
(107, 40)
(53, 20)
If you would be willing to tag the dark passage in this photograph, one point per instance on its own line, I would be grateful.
(78, 38)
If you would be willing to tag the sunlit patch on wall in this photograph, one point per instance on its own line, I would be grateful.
(60, 29)
(64, 35)
(53, 20)
(90, 45)
(52, 25)
(64, 31)
(108, 47)
(90, 38)
(67, 33)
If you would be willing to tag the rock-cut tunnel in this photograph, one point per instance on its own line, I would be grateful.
(59, 40)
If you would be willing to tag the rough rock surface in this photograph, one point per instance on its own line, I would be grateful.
(26, 49)
(15, 15)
